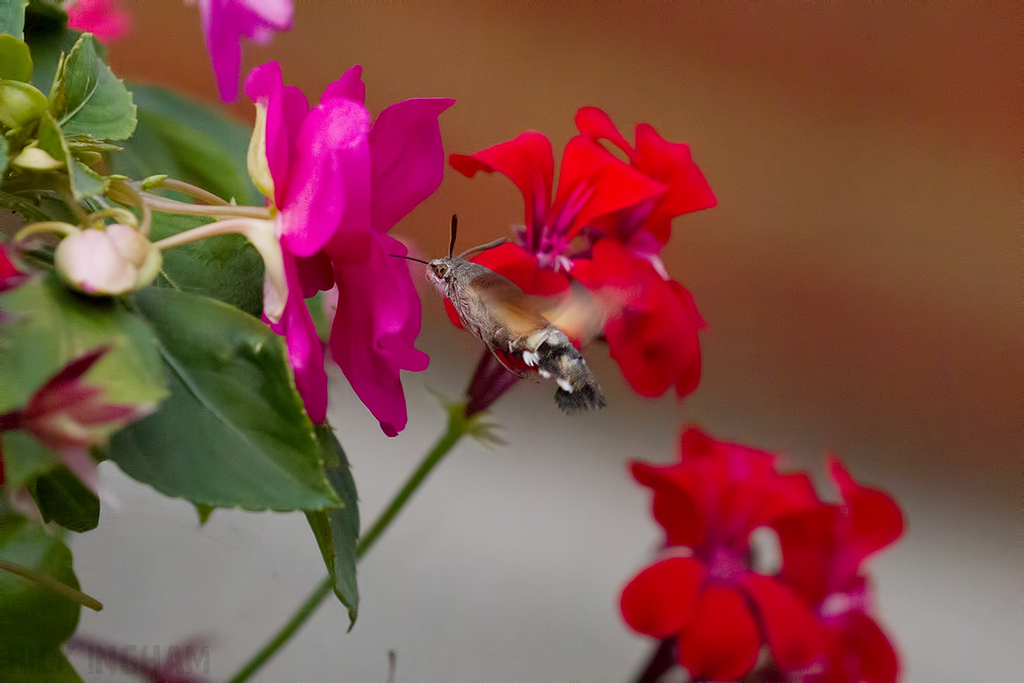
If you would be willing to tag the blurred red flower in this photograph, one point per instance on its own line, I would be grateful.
(823, 551)
(702, 589)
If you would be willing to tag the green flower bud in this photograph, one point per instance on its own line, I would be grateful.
(20, 104)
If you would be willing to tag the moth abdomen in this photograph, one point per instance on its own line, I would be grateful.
(577, 389)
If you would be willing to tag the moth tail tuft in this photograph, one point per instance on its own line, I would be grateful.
(583, 398)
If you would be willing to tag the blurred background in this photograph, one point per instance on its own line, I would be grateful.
(862, 281)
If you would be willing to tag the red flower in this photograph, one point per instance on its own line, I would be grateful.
(10, 276)
(70, 416)
(646, 227)
(603, 228)
(702, 590)
(822, 554)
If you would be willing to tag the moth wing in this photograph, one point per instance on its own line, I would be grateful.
(511, 308)
(579, 314)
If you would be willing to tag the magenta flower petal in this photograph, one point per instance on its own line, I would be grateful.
(225, 22)
(286, 108)
(102, 18)
(350, 86)
(375, 327)
(305, 351)
(329, 179)
(406, 158)
(10, 276)
(315, 274)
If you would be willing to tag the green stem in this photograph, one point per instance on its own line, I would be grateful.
(165, 205)
(191, 190)
(457, 428)
(64, 590)
(304, 612)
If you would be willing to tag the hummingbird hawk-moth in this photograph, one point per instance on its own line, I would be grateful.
(513, 326)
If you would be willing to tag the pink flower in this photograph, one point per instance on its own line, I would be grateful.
(823, 552)
(702, 590)
(102, 18)
(70, 416)
(340, 184)
(226, 22)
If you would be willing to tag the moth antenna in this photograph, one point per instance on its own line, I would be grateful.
(410, 258)
(485, 247)
(455, 229)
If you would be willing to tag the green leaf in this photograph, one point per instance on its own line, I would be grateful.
(337, 530)
(12, 17)
(46, 325)
(4, 158)
(25, 458)
(34, 620)
(83, 180)
(188, 140)
(88, 99)
(234, 432)
(225, 267)
(62, 498)
(204, 512)
(28, 209)
(15, 58)
(37, 666)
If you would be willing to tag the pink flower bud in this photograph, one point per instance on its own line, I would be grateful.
(112, 261)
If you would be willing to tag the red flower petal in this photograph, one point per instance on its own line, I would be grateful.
(875, 518)
(528, 162)
(807, 542)
(522, 268)
(658, 348)
(593, 183)
(671, 164)
(660, 599)
(793, 634)
(722, 640)
(674, 506)
(878, 662)
(596, 124)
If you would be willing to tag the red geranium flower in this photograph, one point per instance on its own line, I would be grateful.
(603, 228)
(822, 556)
(702, 590)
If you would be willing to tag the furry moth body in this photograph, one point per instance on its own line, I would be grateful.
(496, 311)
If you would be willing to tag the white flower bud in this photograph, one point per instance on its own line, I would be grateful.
(112, 261)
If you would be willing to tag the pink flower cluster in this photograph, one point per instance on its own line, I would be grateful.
(339, 183)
